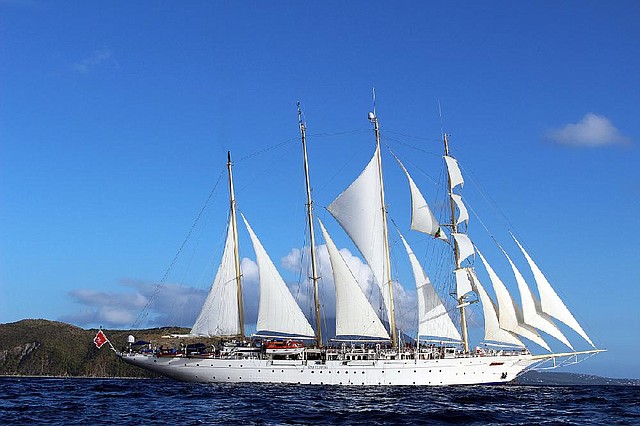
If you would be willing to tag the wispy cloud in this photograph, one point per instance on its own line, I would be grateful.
(160, 304)
(97, 58)
(592, 131)
(172, 304)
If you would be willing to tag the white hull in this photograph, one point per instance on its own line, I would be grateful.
(434, 372)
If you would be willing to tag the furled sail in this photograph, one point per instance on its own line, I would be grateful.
(278, 311)
(464, 214)
(359, 211)
(492, 330)
(219, 314)
(354, 314)
(433, 319)
(507, 309)
(549, 299)
(422, 218)
(531, 311)
(455, 175)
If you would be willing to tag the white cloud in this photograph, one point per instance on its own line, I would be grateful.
(97, 58)
(592, 131)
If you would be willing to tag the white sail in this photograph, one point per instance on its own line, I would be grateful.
(219, 314)
(455, 175)
(531, 311)
(354, 314)
(464, 214)
(433, 319)
(463, 282)
(359, 211)
(549, 299)
(492, 330)
(507, 310)
(422, 218)
(465, 246)
(278, 311)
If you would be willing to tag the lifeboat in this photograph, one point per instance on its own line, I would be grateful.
(283, 347)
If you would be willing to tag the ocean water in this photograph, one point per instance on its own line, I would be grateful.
(150, 402)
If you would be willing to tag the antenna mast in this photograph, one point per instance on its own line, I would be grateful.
(312, 239)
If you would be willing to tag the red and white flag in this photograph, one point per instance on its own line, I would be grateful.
(100, 339)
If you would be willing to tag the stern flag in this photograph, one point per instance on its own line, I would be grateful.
(100, 339)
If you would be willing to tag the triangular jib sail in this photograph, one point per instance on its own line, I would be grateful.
(531, 311)
(492, 330)
(508, 310)
(549, 299)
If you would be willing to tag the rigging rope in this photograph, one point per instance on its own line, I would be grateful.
(145, 311)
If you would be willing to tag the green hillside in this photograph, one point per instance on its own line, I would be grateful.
(50, 348)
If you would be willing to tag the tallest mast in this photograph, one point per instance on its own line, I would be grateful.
(392, 313)
(312, 238)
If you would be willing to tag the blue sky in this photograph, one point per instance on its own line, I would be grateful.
(115, 121)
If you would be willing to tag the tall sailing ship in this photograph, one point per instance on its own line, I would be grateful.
(367, 348)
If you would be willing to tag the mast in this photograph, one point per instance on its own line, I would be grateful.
(312, 238)
(456, 252)
(236, 253)
(392, 314)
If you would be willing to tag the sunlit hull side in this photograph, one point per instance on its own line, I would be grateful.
(440, 372)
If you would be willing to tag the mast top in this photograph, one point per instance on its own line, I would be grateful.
(300, 121)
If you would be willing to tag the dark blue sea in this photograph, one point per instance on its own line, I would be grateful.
(150, 402)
